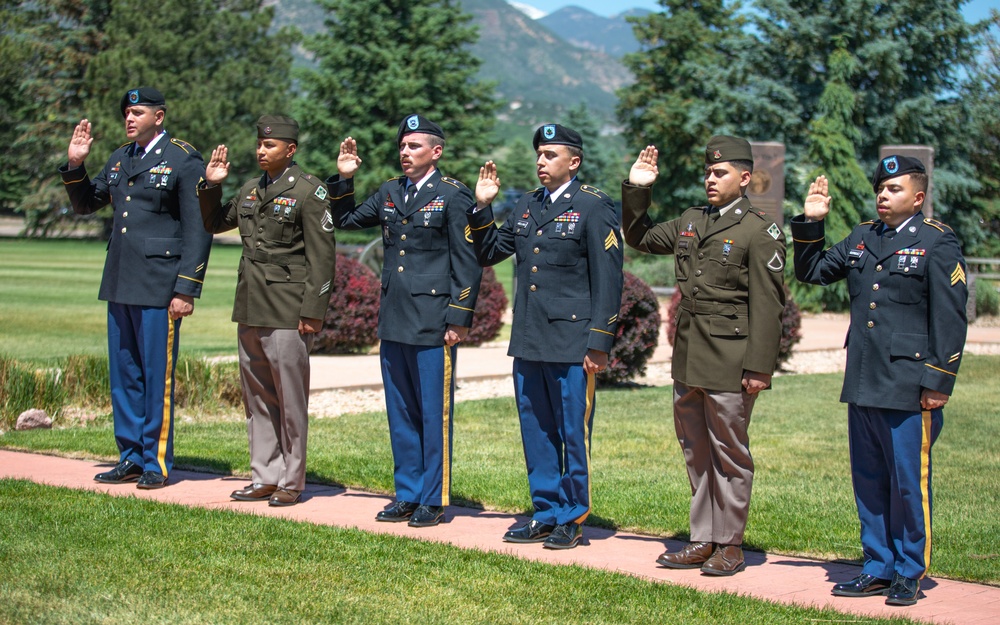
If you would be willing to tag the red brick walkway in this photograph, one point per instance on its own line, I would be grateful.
(771, 577)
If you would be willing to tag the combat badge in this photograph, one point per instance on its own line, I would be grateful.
(689, 231)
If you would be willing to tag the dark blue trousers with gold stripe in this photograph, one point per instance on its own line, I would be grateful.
(891, 471)
(555, 402)
(419, 383)
(142, 355)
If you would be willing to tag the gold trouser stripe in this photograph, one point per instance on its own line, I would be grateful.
(168, 380)
(591, 387)
(925, 482)
(446, 429)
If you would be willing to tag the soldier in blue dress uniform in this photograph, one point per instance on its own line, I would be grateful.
(907, 282)
(155, 267)
(430, 283)
(567, 242)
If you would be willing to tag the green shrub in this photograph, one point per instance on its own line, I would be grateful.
(207, 386)
(987, 298)
(652, 269)
(86, 380)
(638, 333)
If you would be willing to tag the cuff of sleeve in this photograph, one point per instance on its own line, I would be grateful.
(601, 340)
(480, 219)
(807, 230)
(458, 317)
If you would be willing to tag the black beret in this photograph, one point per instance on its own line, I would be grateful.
(554, 134)
(418, 123)
(895, 165)
(143, 96)
(277, 127)
(722, 148)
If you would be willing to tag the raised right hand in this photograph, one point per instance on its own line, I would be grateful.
(644, 171)
(218, 166)
(817, 204)
(348, 162)
(79, 144)
(488, 185)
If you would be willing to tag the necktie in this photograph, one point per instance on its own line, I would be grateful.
(411, 192)
(889, 233)
(711, 214)
(137, 153)
(546, 203)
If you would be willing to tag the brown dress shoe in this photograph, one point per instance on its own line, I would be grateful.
(254, 492)
(727, 560)
(691, 556)
(284, 497)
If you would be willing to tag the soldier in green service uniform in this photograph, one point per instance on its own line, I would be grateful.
(282, 293)
(729, 262)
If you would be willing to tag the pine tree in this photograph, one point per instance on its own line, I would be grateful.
(831, 149)
(214, 61)
(603, 166)
(910, 56)
(380, 61)
(684, 92)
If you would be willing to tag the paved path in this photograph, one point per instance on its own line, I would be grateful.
(772, 577)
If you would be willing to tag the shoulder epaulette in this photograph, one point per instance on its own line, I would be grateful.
(395, 178)
(453, 182)
(934, 223)
(184, 145)
(586, 188)
(866, 223)
(123, 145)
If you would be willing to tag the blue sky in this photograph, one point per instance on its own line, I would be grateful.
(974, 10)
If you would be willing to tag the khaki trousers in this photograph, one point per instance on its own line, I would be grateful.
(274, 371)
(712, 431)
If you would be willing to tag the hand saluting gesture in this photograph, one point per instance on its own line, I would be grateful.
(79, 144)
(817, 204)
(218, 166)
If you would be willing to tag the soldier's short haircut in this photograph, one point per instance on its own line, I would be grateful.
(742, 166)
(919, 181)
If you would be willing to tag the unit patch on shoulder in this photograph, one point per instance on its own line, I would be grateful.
(774, 231)
(321, 192)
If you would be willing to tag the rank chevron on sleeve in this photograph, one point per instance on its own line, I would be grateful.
(958, 275)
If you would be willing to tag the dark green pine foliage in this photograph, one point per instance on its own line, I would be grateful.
(382, 60)
(603, 167)
(981, 92)
(911, 55)
(831, 149)
(682, 94)
(214, 61)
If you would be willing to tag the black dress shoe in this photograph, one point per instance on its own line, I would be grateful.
(531, 532)
(903, 591)
(397, 512)
(254, 492)
(426, 516)
(124, 471)
(863, 585)
(151, 479)
(564, 536)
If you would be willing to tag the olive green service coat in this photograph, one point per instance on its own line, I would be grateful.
(730, 274)
(289, 250)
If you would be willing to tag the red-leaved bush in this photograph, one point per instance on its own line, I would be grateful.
(637, 335)
(791, 324)
(351, 323)
(490, 307)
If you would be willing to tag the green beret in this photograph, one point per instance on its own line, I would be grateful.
(722, 148)
(278, 127)
(143, 96)
(554, 134)
(895, 165)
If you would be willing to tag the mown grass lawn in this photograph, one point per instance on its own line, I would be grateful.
(802, 501)
(81, 557)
